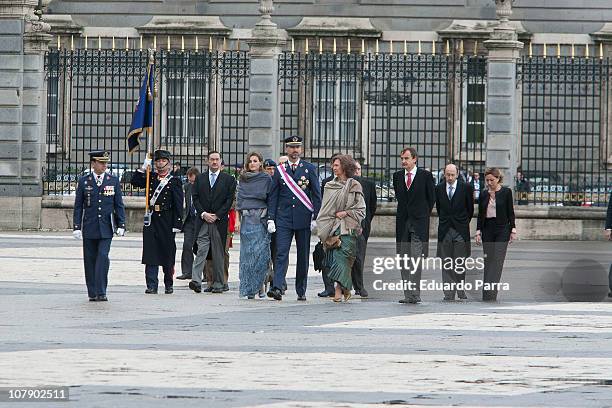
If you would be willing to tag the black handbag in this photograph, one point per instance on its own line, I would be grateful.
(318, 257)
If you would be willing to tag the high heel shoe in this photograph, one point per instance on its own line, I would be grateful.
(347, 294)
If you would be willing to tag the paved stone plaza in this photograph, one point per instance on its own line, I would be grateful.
(206, 350)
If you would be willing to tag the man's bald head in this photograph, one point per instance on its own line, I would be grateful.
(450, 173)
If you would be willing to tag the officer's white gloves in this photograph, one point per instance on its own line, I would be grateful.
(271, 227)
(176, 230)
(313, 225)
(147, 162)
(121, 232)
(77, 234)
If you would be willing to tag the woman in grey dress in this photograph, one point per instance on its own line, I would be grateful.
(251, 203)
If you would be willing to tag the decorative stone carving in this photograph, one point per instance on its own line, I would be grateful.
(335, 27)
(479, 29)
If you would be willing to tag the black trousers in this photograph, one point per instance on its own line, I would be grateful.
(189, 235)
(495, 240)
(412, 246)
(452, 246)
(357, 270)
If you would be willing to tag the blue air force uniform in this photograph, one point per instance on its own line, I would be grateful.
(293, 218)
(98, 209)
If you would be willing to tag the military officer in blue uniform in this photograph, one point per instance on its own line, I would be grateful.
(164, 220)
(295, 202)
(98, 211)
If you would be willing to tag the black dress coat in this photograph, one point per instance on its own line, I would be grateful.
(158, 245)
(216, 200)
(457, 212)
(369, 195)
(504, 208)
(414, 206)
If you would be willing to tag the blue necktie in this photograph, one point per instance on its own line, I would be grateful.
(213, 178)
(450, 192)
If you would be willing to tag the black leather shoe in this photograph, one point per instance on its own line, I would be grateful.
(225, 288)
(325, 294)
(102, 298)
(150, 291)
(195, 287)
(302, 298)
(183, 277)
(363, 293)
(207, 290)
(275, 294)
(448, 298)
(357, 292)
(413, 300)
(214, 290)
(461, 295)
(169, 291)
(251, 297)
(93, 299)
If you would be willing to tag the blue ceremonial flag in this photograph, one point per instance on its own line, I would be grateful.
(143, 115)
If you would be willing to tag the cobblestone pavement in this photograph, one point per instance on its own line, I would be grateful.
(206, 350)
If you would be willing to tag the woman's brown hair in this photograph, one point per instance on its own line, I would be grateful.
(245, 167)
(495, 172)
(348, 164)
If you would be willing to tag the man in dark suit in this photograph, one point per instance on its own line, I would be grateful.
(213, 194)
(295, 201)
(98, 209)
(455, 207)
(608, 235)
(414, 191)
(369, 194)
(190, 216)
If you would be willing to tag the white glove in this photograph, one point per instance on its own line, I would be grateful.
(271, 227)
(121, 232)
(313, 225)
(77, 234)
(146, 163)
(176, 230)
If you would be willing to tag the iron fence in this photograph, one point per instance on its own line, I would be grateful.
(201, 105)
(373, 105)
(565, 143)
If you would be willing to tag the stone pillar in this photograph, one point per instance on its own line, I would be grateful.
(503, 142)
(23, 42)
(266, 44)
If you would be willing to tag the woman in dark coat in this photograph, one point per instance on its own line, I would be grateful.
(164, 220)
(495, 229)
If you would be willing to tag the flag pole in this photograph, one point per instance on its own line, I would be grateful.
(150, 94)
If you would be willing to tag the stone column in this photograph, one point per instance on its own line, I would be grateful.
(23, 42)
(503, 142)
(266, 44)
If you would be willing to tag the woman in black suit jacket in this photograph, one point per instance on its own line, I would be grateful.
(495, 229)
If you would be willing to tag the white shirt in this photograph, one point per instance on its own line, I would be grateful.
(454, 186)
(413, 172)
(297, 163)
(99, 178)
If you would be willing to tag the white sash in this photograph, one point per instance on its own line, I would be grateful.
(295, 189)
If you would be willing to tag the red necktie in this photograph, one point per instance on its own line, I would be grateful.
(409, 181)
